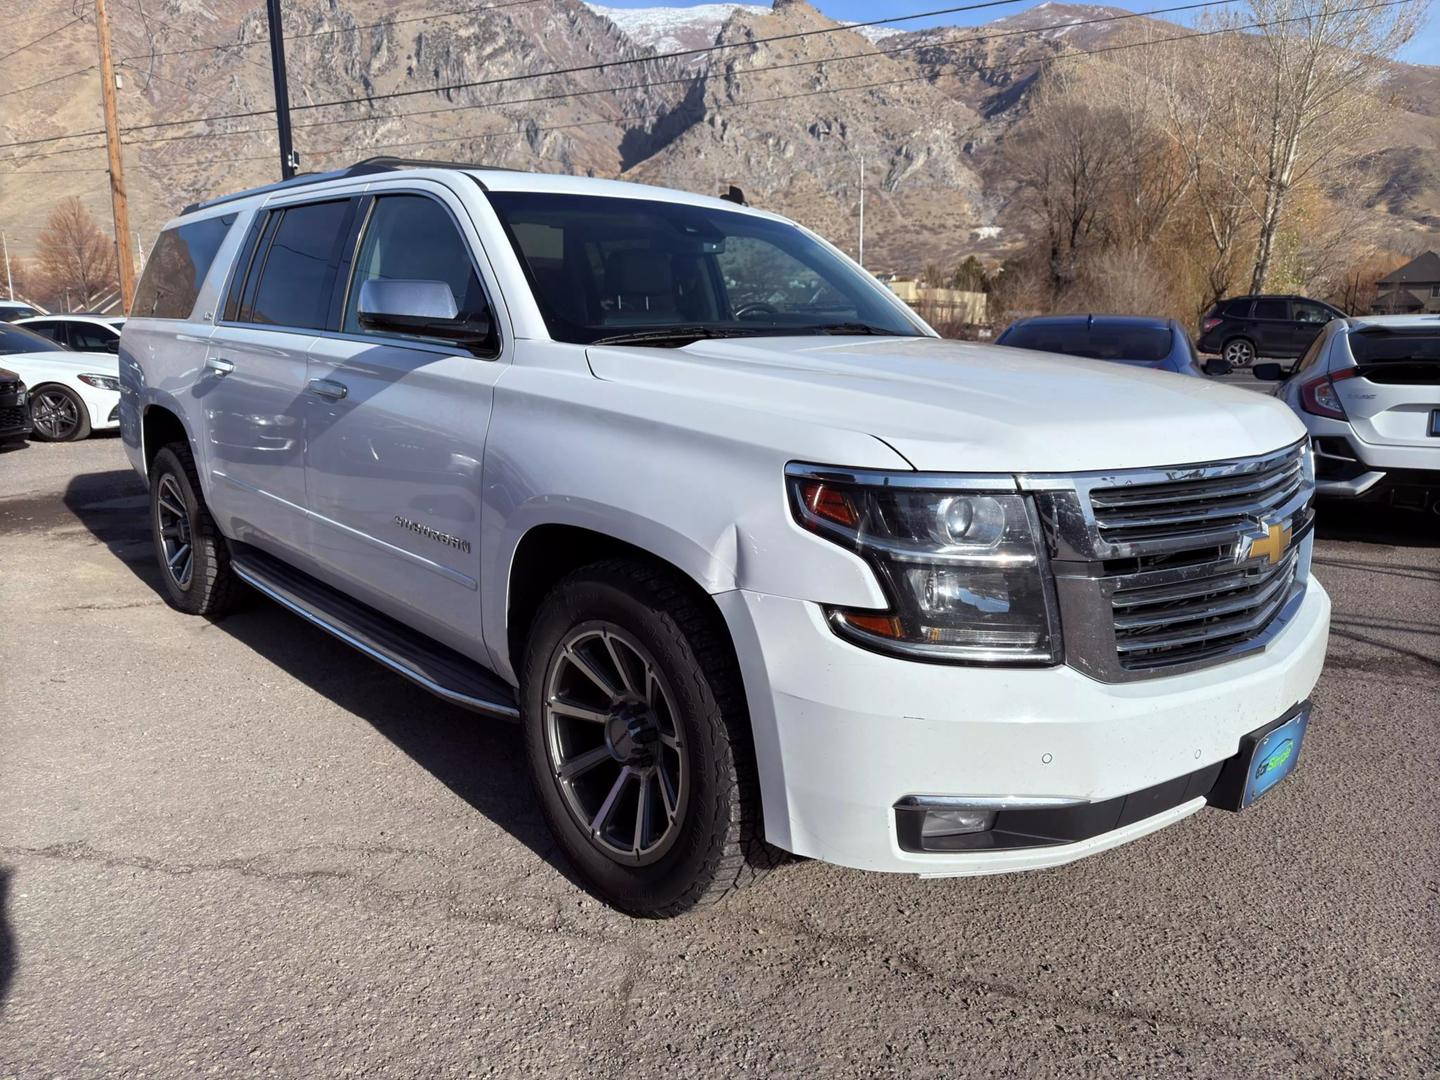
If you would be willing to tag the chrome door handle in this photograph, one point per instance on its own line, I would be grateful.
(329, 389)
(219, 365)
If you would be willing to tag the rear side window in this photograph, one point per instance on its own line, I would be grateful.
(1272, 309)
(177, 267)
(297, 274)
(1149, 344)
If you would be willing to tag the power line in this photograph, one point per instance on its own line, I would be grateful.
(528, 130)
(146, 18)
(42, 37)
(47, 82)
(578, 69)
(648, 84)
(342, 30)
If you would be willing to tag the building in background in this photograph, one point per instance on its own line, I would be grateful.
(1413, 289)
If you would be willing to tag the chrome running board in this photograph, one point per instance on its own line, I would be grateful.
(427, 663)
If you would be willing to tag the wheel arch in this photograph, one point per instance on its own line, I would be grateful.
(160, 425)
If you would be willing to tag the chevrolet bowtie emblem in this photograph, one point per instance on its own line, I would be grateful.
(1270, 545)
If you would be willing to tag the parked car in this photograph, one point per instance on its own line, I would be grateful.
(14, 413)
(10, 310)
(1244, 327)
(83, 333)
(71, 394)
(1368, 390)
(1137, 341)
(756, 560)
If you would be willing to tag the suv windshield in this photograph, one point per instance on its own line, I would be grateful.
(663, 273)
(1099, 341)
(16, 339)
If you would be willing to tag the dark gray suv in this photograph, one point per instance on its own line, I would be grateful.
(1280, 327)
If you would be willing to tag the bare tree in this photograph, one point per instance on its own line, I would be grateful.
(1313, 82)
(73, 257)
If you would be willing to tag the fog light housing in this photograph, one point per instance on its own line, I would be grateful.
(955, 823)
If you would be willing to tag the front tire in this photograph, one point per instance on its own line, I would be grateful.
(638, 740)
(58, 415)
(1239, 352)
(193, 556)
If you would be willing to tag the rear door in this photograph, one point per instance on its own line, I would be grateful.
(1393, 397)
(253, 387)
(395, 425)
(1271, 327)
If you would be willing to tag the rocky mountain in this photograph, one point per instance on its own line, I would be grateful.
(568, 86)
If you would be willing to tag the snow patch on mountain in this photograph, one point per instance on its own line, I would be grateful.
(669, 29)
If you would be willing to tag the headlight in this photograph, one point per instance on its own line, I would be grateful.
(961, 565)
(104, 382)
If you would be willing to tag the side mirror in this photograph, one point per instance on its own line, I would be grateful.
(1269, 372)
(426, 308)
(1218, 366)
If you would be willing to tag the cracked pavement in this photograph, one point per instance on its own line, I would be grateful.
(241, 848)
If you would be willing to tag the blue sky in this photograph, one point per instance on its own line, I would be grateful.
(1425, 49)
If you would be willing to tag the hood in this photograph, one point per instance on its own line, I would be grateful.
(951, 406)
(60, 363)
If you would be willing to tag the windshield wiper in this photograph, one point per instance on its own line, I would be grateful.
(675, 336)
(852, 328)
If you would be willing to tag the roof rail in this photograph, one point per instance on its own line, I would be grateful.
(359, 168)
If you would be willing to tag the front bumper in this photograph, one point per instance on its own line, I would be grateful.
(842, 735)
(14, 415)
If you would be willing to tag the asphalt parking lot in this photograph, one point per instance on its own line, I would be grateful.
(240, 848)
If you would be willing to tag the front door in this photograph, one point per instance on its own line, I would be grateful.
(252, 388)
(395, 431)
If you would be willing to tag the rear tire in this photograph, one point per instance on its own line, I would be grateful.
(58, 414)
(193, 556)
(638, 740)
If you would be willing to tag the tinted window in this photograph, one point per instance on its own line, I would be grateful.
(88, 338)
(1237, 309)
(298, 273)
(52, 331)
(602, 266)
(1401, 357)
(413, 238)
(177, 267)
(16, 339)
(1098, 342)
(1272, 309)
(1312, 313)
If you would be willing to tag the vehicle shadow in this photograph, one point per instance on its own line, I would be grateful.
(478, 758)
(9, 953)
(1375, 524)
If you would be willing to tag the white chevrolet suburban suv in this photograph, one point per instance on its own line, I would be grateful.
(758, 562)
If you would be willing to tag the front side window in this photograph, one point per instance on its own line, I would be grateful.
(604, 267)
(87, 338)
(1312, 313)
(297, 277)
(177, 267)
(413, 238)
(16, 339)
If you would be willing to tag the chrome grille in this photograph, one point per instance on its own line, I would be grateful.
(1158, 571)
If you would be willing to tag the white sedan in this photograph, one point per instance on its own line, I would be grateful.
(71, 393)
(82, 333)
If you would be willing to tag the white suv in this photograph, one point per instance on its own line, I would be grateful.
(757, 561)
(1369, 391)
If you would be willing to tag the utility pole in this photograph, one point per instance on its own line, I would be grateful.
(118, 204)
(288, 160)
(9, 281)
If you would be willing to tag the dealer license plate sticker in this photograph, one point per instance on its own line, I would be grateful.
(1275, 757)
